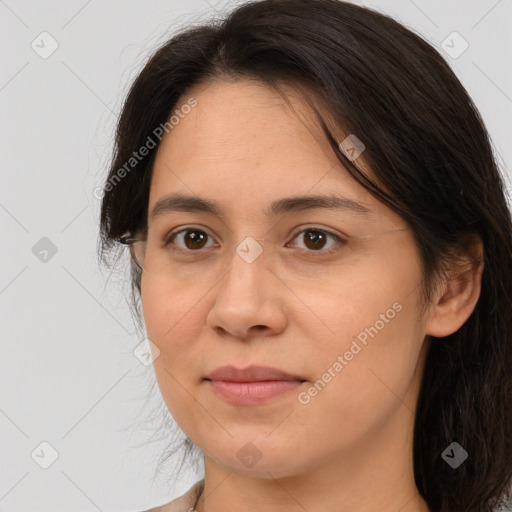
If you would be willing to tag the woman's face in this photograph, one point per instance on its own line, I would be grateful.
(256, 287)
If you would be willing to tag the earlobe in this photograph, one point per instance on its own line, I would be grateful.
(460, 290)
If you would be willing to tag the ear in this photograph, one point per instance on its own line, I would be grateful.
(460, 290)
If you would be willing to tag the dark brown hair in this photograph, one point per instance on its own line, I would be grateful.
(428, 148)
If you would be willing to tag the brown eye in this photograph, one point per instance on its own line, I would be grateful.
(315, 240)
(190, 239)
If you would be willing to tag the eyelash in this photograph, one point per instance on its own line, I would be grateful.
(340, 241)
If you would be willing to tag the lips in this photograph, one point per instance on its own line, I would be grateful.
(253, 385)
(251, 374)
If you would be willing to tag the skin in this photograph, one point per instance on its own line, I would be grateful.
(350, 446)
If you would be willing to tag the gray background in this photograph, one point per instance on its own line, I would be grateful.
(68, 375)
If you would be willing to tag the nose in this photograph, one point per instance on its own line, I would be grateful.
(248, 300)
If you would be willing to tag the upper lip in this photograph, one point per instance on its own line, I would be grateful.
(250, 374)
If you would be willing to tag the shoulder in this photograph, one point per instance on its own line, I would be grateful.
(184, 502)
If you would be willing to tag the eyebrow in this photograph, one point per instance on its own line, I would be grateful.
(184, 203)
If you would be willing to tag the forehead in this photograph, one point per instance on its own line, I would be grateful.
(244, 124)
(245, 147)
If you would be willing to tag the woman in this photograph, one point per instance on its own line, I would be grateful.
(323, 249)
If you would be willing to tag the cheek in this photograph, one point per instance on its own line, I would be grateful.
(350, 295)
(358, 385)
(370, 356)
(169, 307)
(171, 316)
(170, 326)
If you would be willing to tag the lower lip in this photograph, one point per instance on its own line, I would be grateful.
(249, 393)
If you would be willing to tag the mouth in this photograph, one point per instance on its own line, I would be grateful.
(252, 393)
(252, 385)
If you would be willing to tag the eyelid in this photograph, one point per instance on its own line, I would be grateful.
(316, 227)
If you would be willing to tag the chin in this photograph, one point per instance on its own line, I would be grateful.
(257, 458)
